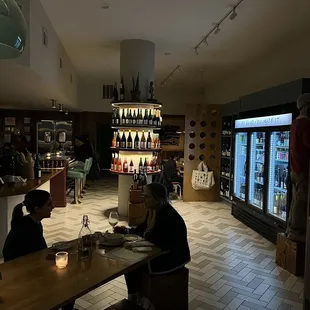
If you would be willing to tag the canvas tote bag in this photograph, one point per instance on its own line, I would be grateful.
(202, 178)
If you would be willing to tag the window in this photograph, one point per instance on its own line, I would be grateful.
(44, 38)
(60, 63)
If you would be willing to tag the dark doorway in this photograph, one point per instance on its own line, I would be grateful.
(104, 140)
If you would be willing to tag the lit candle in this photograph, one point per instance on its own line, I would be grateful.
(61, 260)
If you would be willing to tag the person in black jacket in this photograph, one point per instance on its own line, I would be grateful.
(26, 234)
(165, 228)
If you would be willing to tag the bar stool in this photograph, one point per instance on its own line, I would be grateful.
(77, 176)
(176, 187)
(85, 169)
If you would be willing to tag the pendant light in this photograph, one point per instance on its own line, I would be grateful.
(12, 30)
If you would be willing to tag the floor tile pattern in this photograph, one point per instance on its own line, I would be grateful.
(232, 266)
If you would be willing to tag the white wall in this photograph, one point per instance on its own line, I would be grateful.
(287, 63)
(174, 100)
(46, 60)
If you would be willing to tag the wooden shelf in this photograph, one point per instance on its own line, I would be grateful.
(131, 173)
(137, 105)
(135, 127)
(134, 150)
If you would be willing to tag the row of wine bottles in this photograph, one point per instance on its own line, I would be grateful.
(126, 141)
(122, 165)
(136, 117)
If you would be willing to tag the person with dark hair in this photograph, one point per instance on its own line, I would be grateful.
(171, 173)
(165, 228)
(83, 148)
(26, 234)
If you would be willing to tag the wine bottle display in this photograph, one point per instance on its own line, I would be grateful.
(129, 140)
(137, 141)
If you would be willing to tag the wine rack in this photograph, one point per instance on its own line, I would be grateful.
(135, 144)
(226, 177)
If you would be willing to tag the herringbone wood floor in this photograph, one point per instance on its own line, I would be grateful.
(232, 267)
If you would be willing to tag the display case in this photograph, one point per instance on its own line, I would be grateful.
(240, 165)
(278, 174)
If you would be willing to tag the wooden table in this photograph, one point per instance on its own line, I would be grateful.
(34, 282)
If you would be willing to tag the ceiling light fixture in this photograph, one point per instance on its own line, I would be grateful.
(232, 14)
(170, 76)
(61, 109)
(66, 112)
(54, 104)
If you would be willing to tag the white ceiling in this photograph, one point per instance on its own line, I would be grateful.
(91, 35)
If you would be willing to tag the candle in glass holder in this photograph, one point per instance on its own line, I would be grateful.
(61, 260)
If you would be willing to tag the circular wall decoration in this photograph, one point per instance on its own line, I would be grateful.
(212, 134)
(213, 124)
(202, 146)
(192, 123)
(203, 123)
(192, 146)
(191, 157)
(212, 146)
(202, 135)
(201, 157)
(213, 112)
(192, 134)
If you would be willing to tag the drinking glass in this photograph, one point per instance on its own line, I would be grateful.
(113, 219)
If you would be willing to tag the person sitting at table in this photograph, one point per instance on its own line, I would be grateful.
(26, 234)
(171, 173)
(165, 228)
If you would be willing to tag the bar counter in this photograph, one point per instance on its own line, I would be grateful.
(52, 180)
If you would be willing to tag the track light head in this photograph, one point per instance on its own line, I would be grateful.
(217, 29)
(54, 104)
(66, 112)
(60, 108)
(233, 15)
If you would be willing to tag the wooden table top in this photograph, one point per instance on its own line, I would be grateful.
(24, 188)
(34, 282)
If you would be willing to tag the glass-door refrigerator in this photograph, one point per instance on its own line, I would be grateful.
(261, 163)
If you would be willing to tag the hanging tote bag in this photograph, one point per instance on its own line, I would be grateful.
(202, 178)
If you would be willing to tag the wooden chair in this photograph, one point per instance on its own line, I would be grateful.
(168, 291)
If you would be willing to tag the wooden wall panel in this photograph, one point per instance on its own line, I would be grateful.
(211, 115)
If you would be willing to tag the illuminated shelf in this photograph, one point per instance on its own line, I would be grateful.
(135, 127)
(134, 150)
(137, 105)
(131, 173)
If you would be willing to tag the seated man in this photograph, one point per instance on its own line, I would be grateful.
(171, 172)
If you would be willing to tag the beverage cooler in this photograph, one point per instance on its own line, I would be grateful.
(261, 173)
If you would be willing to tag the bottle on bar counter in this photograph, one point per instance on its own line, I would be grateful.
(122, 90)
(137, 141)
(149, 141)
(123, 141)
(143, 141)
(129, 140)
(37, 168)
(85, 240)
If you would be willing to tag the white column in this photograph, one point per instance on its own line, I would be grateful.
(137, 56)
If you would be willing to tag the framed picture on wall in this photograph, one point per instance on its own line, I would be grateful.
(9, 121)
(26, 120)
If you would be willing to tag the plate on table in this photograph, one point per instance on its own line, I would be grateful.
(62, 246)
(131, 238)
(111, 239)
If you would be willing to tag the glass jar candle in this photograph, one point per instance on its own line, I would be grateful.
(61, 260)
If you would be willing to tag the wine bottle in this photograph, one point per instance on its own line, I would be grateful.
(145, 166)
(143, 141)
(149, 141)
(123, 117)
(158, 118)
(118, 140)
(154, 121)
(131, 167)
(140, 117)
(123, 141)
(37, 168)
(113, 116)
(112, 162)
(140, 166)
(114, 140)
(129, 140)
(137, 141)
(153, 141)
(85, 241)
(115, 93)
(145, 119)
(115, 167)
(119, 165)
(125, 165)
(150, 119)
(117, 117)
(129, 117)
(122, 90)
(134, 118)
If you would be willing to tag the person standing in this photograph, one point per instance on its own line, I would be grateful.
(299, 165)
